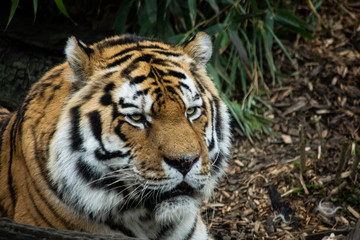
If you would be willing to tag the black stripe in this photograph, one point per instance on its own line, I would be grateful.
(124, 51)
(15, 131)
(201, 88)
(115, 111)
(186, 87)
(44, 86)
(220, 157)
(167, 53)
(139, 47)
(118, 61)
(176, 74)
(141, 93)
(121, 228)
(126, 39)
(110, 86)
(87, 172)
(164, 230)
(138, 80)
(218, 120)
(3, 125)
(123, 104)
(196, 77)
(108, 74)
(45, 175)
(166, 81)
(128, 70)
(54, 74)
(10, 178)
(34, 204)
(52, 95)
(192, 230)
(212, 141)
(106, 99)
(143, 58)
(171, 90)
(158, 72)
(86, 49)
(96, 126)
(103, 155)
(76, 139)
(161, 62)
(118, 131)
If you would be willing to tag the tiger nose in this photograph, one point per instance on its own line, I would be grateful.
(183, 163)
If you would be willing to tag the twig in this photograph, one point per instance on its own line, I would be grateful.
(321, 151)
(336, 190)
(340, 167)
(355, 163)
(303, 184)
(302, 149)
(312, 8)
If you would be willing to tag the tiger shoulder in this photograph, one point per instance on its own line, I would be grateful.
(128, 136)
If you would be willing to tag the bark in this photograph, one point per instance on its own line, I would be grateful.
(17, 231)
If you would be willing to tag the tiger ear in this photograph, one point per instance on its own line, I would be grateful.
(78, 56)
(199, 48)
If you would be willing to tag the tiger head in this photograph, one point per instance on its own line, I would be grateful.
(144, 129)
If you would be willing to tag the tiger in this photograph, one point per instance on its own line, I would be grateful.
(128, 136)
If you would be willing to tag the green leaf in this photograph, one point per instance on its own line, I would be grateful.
(294, 19)
(193, 11)
(268, 55)
(14, 5)
(214, 6)
(234, 37)
(60, 5)
(215, 76)
(151, 9)
(224, 39)
(279, 43)
(235, 111)
(293, 27)
(121, 16)
(233, 77)
(177, 39)
(35, 4)
(269, 22)
(214, 29)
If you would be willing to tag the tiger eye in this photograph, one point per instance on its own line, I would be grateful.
(136, 117)
(190, 111)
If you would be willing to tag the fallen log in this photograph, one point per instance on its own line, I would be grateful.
(17, 231)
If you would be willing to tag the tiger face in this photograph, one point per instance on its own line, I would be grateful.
(141, 138)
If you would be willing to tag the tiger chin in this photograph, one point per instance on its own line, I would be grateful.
(128, 136)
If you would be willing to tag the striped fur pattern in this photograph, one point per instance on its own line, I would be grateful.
(128, 136)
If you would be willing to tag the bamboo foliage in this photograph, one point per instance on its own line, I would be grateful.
(244, 33)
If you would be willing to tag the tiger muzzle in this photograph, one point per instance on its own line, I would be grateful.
(183, 164)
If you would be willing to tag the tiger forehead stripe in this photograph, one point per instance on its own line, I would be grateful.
(152, 48)
(125, 40)
(149, 53)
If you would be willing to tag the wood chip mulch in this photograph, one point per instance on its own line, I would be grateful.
(263, 195)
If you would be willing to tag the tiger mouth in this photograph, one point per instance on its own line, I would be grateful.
(183, 189)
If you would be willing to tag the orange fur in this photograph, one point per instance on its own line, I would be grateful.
(29, 192)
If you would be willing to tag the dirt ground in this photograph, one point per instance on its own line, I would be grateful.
(323, 99)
